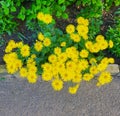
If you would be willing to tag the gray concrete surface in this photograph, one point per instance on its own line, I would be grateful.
(19, 98)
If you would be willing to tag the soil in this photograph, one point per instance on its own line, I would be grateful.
(60, 23)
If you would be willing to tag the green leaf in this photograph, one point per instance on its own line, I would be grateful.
(21, 15)
(65, 16)
(63, 8)
(13, 9)
(44, 2)
(47, 34)
(61, 1)
(58, 14)
(6, 11)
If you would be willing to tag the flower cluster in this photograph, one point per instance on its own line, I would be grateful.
(46, 18)
(72, 59)
(22, 60)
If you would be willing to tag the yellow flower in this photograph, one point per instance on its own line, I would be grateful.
(32, 68)
(88, 76)
(30, 62)
(40, 36)
(47, 76)
(18, 63)
(84, 53)
(33, 56)
(25, 50)
(111, 60)
(93, 70)
(19, 44)
(63, 44)
(99, 38)
(11, 68)
(70, 65)
(38, 46)
(46, 42)
(110, 43)
(62, 57)
(77, 78)
(88, 44)
(47, 18)
(70, 28)
(104, 60)
(73, 90)
(95, 48)
(83, 64)
(11, 45)
(47, 67)
(57, 50)
(65, 75)
(102, 67)
(52, 58)
(85, 36)
(57, 84)
(82, 30)
(104, 78)
(8, 58)
(82, 21)
(40, 16)
(60, 67)
(103, 44)
(93, 61)
(23, 72)
(32, 77)
(75, 37)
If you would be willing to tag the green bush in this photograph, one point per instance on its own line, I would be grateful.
(8, 9)
(113, 34)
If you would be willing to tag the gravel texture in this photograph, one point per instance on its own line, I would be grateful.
(19, 98)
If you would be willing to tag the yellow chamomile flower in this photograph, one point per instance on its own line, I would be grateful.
(38, 46)
(11, 45)
(95, 48)
(82, 30)
(77, 78)
(93, 70)
(46, 42)
(100, 38)
(84, 53)
(47, 18)
(19, 44)
(52, 58)
(70, 28)
(110, 43)
(87, 76)
(25, 50)
(111, 60)
(82, 21)
(88, 44)
(57, 84)
(63, 44)
(103, 44)
(73, 89)
(40, 16)
(104, 78)
(32, 77)
(33, 56)
(93, 61)
(47, 76)
(57, 50)
(23, 72)
(40, 36)
(75, 37)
